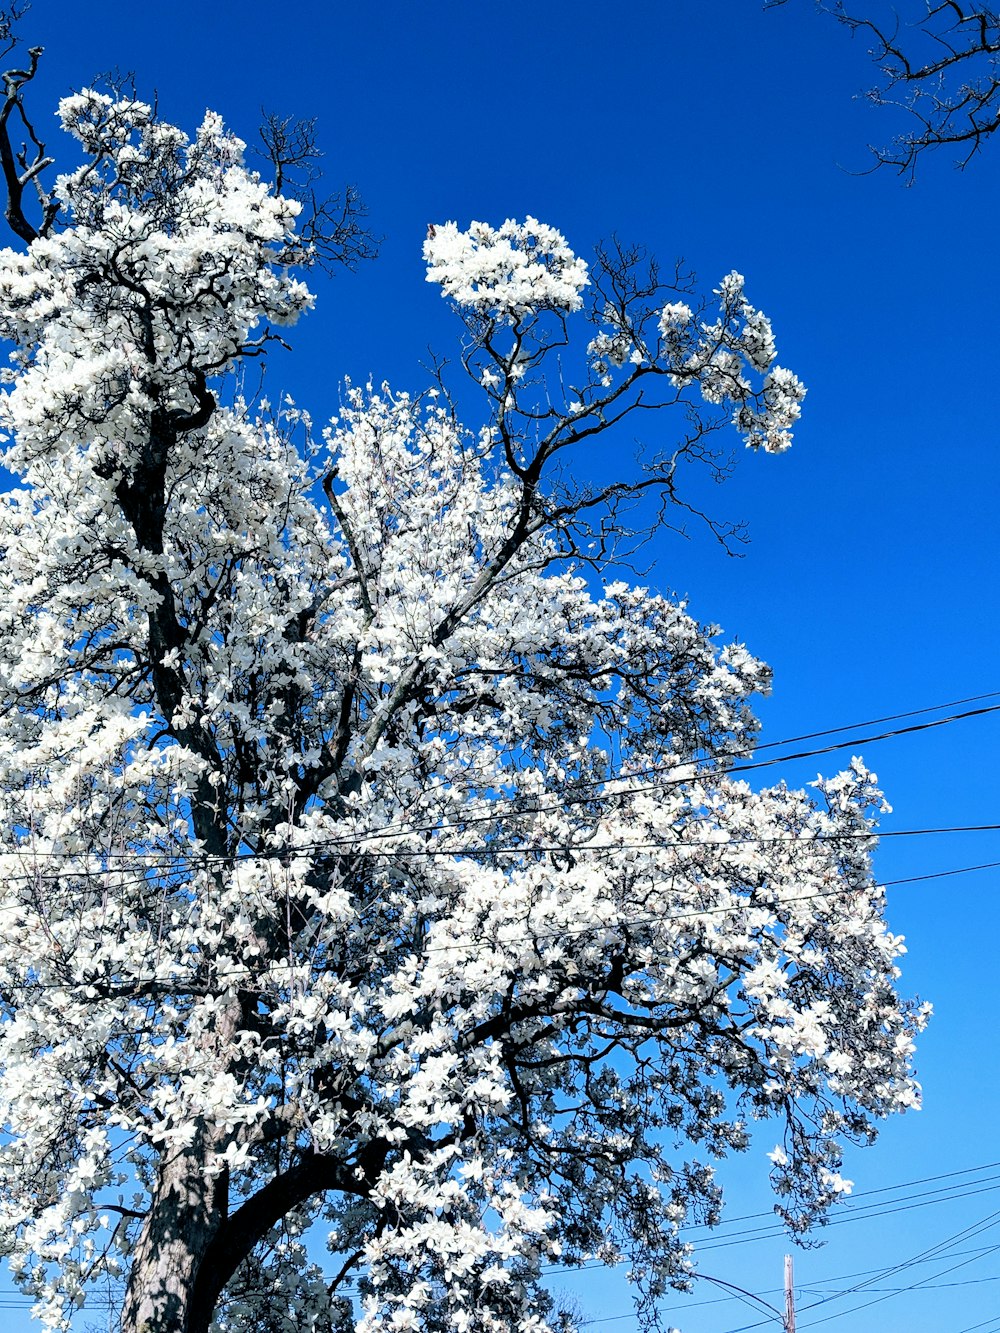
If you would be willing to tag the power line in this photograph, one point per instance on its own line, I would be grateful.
(879, 721)
(489, 850)
(653, 844)
(928, 1255)
(923, 1285)
(864, 1194)
(137, 984)
(930, 1284)
(574, 794)
(925, 1256)
(981, 1327)
(769, 1233)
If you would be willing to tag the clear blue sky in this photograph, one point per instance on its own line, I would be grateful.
(732, 137)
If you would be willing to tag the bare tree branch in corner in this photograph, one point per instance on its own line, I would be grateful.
(22, 163)
(940, 62)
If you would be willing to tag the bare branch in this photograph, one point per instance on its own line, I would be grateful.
(331, 229)
(941, 65)
(10, 16)
(22, 165)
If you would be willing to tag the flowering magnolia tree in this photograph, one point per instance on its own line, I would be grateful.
(370, 860)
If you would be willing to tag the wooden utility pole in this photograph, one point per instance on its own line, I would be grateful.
(789, 1296)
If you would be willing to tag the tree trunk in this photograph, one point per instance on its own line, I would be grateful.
(186, 1211)
(184, 1216)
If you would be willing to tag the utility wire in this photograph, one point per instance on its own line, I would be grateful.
(981, 1327)
(925, 1256)
(574, 794)
(859, 1211)
(880, 721)
(873, 1274)
(865, 1194)
(489, 850)
(761, 1233)
(885, 1296)
(929, 1285)
(935, 1251)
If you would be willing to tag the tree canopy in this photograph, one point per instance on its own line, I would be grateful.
(373, 861)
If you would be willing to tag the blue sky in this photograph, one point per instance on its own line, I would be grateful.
(732, 137)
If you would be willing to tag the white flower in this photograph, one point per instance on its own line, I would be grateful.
(507, 271)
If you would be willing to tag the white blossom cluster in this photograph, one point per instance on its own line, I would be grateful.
(505, 271)
(357, 850)
(515, 274)
(169, 265)
(723, 356)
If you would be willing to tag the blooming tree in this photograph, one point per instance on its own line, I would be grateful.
(370, 856)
